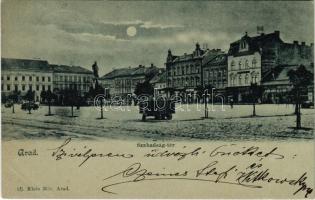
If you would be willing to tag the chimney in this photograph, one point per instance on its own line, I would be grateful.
(295, 42)
(152, 65)
(277, 33)
(303, 43)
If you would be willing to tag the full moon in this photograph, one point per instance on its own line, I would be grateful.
(131, 31)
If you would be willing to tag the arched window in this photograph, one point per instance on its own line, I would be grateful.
(231, 79)
(187, 81)
(246, 79)
(240, 80)
(254, 61)
(256, 77)
(232, 65)
(187, 69)
(246, 64)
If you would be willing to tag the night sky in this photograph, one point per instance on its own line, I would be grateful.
(79, 33)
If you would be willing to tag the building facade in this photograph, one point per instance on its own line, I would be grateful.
(122, 82)
(21, 75)
(253, 59)
(215, 71)
(72, 77)
(159, 82)
(184, 72)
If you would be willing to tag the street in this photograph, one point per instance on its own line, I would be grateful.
(273, 122)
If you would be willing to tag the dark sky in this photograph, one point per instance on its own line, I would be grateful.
(79, 33)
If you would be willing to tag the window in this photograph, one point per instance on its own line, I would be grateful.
(206, 74)
(8, 87)
(37, 87)
(243, 45)
(23, 78)
(232, 65)
(23, 87)
(8, 78)
(1, 86)
(30, 87)
(187, 69)
(183, 70)
(16, 78)
(43, 78)
(66, 78)
(197, 81)
(30, 78)
(254, 62)
(197, 68)
(252, 77)
(246, 64)
(49, 87)
(37, 78)
(224, 73)
(240, 80)
(2, 78)
(192, 69)
(231, 80)
(48, 78)
(256, 77)
(240, 65)
(43, 87)
(246, 79)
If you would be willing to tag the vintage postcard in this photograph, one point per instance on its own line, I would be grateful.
(157, 99)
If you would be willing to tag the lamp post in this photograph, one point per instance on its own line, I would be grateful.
(206, 104)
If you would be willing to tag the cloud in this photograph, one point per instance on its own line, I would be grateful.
(144, 24)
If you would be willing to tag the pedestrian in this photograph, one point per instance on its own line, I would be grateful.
(231, 103)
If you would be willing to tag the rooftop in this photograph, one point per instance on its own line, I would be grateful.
(70, 69)
(129, 71)
(254, 43)
(15, 64)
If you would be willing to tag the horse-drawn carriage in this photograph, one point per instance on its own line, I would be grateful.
(159, 109)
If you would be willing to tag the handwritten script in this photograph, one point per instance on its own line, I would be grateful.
(256, 175)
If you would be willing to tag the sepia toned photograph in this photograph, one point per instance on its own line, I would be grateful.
(157, 99)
